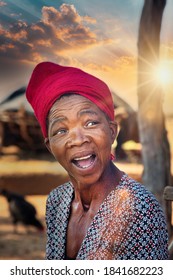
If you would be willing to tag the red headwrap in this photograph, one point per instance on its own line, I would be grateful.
(49, 81)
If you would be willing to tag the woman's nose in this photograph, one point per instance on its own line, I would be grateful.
(77, 137)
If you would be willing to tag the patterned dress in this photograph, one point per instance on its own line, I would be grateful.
(129, 225)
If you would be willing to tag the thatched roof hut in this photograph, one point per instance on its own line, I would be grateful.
(18, 125)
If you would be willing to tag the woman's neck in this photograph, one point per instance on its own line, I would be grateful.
(88, 196)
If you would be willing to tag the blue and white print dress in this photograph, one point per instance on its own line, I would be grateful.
(129, 225)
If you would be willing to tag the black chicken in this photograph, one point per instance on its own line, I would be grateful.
(21, 211)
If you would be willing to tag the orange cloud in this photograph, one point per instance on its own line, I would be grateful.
(65, 36)
(58, 31)
(69, 26)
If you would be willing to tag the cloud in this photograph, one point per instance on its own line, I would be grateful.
(64, 36)
(57, 32)
(69, 26)
(66, 15)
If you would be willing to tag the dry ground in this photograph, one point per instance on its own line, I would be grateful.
(23, 245)
(35, 178)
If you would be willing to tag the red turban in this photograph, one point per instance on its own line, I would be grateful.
(49, 81)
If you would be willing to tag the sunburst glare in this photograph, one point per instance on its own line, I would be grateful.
(163, 74)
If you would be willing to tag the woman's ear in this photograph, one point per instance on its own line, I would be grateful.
(113, 128)
(47, 144)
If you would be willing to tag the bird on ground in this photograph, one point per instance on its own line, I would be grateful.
(21, 211)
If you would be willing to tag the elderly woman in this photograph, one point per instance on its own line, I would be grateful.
(100, 213)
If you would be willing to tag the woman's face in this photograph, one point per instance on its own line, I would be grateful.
(80, 137)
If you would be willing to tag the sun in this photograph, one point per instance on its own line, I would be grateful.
(163, 74)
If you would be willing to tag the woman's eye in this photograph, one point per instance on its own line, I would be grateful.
(91, 123)
(60, 131)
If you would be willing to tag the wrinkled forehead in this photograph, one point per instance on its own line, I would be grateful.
(66, 99)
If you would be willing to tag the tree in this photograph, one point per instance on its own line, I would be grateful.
(151, 120)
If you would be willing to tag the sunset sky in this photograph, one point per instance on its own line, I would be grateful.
(98, 36)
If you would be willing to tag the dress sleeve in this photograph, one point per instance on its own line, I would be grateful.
(146, 238)
(51, 209)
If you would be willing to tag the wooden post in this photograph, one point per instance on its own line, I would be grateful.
(151, 121)
(1, 136)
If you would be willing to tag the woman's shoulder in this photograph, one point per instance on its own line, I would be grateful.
(64, 190)
(132, 185)
(144, 205)
(140, 194)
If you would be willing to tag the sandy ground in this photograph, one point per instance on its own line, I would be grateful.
(26, 244)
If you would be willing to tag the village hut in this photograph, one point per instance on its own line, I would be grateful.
(18, 125)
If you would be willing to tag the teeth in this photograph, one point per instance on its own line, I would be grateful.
(83, 158)
(85, 166)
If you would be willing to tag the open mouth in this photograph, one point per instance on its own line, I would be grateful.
(84, 162)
